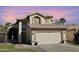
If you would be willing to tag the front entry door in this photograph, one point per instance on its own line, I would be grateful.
(12, 36)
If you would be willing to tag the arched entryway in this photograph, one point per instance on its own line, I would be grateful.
(12, 35)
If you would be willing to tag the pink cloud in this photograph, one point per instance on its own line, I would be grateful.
(57, 13)
(12, 15)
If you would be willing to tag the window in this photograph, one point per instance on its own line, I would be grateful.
(36, 20)
(24, 26)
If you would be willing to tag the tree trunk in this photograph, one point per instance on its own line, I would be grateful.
(5, 40)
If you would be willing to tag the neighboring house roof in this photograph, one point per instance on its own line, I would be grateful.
(73, 27)
(46, 26)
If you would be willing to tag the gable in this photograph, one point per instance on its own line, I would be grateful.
(36, 18)
(41, 19)
(37, 15)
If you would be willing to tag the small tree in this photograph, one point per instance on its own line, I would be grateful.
(62, 21)
(4, 29)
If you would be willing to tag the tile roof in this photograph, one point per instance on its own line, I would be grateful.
(47, 26)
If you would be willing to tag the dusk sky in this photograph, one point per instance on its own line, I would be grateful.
(11, 13)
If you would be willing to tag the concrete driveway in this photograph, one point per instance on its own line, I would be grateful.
(59, 48)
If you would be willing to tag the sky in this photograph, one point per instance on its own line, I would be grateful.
(11, 13)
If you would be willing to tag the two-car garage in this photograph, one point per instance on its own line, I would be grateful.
(48, 38)
(45, 37)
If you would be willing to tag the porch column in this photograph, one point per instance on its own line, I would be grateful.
(20, 31)
(64, 36)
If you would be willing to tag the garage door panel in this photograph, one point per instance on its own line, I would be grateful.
(44, 38)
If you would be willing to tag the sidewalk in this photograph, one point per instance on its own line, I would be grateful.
(24, 46)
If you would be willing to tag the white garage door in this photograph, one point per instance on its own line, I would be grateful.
(47, 38)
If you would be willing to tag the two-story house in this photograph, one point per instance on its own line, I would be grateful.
(36, 28)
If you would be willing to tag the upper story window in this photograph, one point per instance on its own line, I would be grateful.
(36, 20)
(24, 26)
